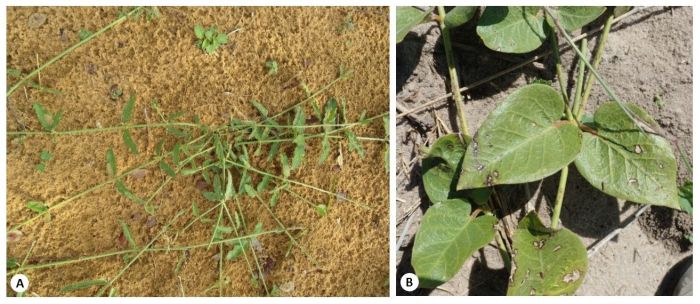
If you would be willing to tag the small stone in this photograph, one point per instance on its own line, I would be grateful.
(14, 236)
(36, 20)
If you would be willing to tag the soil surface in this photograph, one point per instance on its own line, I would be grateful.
(158, 60)
(648, 54)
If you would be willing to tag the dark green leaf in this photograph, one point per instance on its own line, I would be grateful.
(286, 170)
(111, 163)
(459, 15)
(128, 108)
(685, 195)
(572, 18)
(37, 206)
(130, 142)
(127, 234)
(83, 285)
(165, 167)
(627, 163)
(298, 155)
(446, 238)
(522, 140)
(263, 184)
(512, 29)
(258, 106)
(121, 188)
(407, 17)
(546, 262)
(325, 150)
(45, 118)
(354, 144)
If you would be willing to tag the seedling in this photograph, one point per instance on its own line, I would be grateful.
(534, 133)
(44, 159)
(209, 39)
(271, 66)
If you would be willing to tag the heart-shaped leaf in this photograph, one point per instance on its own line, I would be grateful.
(627, 163)
(522, 140)
(512, 29)
(408, 17)
(546, 262)
(459, 15)
(440, 171)
(574, 17)
(439, 167)
(447, 237)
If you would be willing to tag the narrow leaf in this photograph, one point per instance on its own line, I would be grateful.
(111, 163)
(83, 285)
(128, 108)
(37, 206)
(127, 234)
(165, 167)
(130, 142)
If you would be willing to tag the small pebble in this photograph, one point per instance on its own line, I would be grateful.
(14, 236)
(151, 221)
(36, 20)
(139, 173)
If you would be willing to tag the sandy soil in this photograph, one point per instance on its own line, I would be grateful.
(158, 60)
(647, 54)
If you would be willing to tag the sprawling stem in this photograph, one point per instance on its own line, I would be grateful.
(454, 80)
(596, 61)
(560, 74)
(70, 49)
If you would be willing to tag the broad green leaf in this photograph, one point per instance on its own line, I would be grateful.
(440, 166)
(221, 38)
(685, 196)
(459, 15)
(627, 163)
(522, 140)
(111, 163)
(128, 108)
(130, 142)
(446, 238)
(621, 10)
(37, 206)
(572, 18)
(512, 29)
(166, 168)
(407, 17)
(546, 262)
(127, 234)
(83, 285)
(199, 31)
(212, 196)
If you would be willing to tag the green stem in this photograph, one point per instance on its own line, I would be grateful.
(108, 129)
(600, 79)
(579, 81)
(454, 80)
(596, 61)
(560, 74)
(138, 255)
(70, 49)
(134, 250)
(560, 197)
